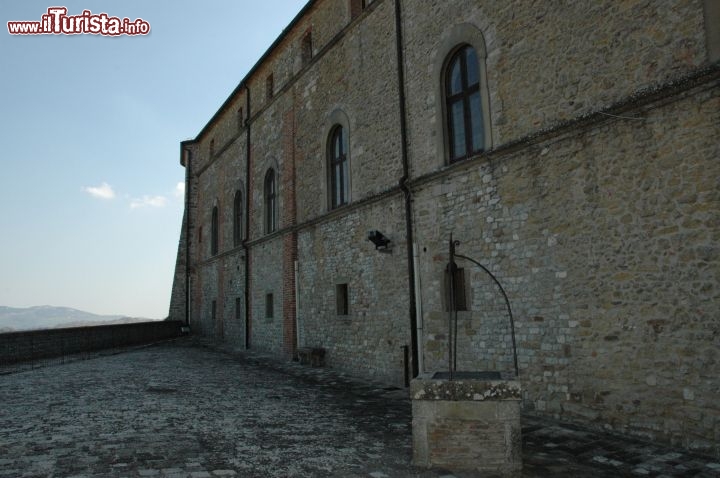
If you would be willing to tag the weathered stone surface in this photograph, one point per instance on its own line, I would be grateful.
(470, 425)
(595, 206)
(258, 418)
(427, 388)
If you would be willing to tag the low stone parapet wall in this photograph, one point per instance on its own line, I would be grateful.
(28, 346)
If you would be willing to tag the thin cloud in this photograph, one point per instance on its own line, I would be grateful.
(148, 201)
(104, 191)
(180, 189)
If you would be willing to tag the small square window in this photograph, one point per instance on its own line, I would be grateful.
(342, 301)
(269, 312)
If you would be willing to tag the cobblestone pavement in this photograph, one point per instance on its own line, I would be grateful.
(181, 409)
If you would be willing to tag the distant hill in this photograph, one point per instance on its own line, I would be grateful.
(49, 317)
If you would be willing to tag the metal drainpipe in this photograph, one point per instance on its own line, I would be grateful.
(418, 308)
(297, 309)
(405, 188)
(247, 221)
(188, 161)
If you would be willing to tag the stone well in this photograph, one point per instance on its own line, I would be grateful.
(467, 423)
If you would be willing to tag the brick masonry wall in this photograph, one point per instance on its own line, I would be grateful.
(18, 347)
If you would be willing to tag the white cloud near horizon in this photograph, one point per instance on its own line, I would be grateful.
(104, 191)
(180, 189)
(148, 201)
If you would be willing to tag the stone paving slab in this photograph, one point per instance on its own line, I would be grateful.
(183, 409)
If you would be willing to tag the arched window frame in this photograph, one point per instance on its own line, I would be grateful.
(270, 194)
(214, 231)
(238, 217)
(452, 42)
(466, 135)
(336, 117)
(338, 167)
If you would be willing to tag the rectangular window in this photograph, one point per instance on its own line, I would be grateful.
(356, 7)
(269, 306)
(306, 48)
(200, 235)
(238, 309)
(458, 288)
(269, 86)
(342, 301)
(213, 312)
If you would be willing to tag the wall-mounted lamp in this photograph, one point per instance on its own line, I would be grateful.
(381, 242)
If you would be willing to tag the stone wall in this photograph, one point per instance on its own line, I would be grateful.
(336, 87)
(177, 296)
(371, 336)
(595, 204)
(608, 255)
(545, 63)
(267, 278)
(17, 347)
(467, 425)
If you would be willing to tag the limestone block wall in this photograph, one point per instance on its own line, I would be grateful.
(232, 305)
(177, 294)
(605, 237)
(595, 206)
(267, 278)
(324, 21)
(336, 251)
(353, 84)
(220, 277)
(546, 63)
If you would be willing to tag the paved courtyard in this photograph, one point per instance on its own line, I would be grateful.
(182, 409)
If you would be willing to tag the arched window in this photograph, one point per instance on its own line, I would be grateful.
(466, 131)
(270, 201)
(237, 218)
(214, 232)
(338, 170)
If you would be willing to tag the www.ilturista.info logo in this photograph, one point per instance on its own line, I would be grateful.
(58, 22)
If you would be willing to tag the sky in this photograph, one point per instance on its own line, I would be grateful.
(91, 195)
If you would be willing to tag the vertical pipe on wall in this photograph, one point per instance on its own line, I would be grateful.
(297, 309)
(248, 195)
(404, 187)
(418, 309)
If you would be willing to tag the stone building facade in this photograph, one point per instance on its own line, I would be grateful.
(572, 148)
